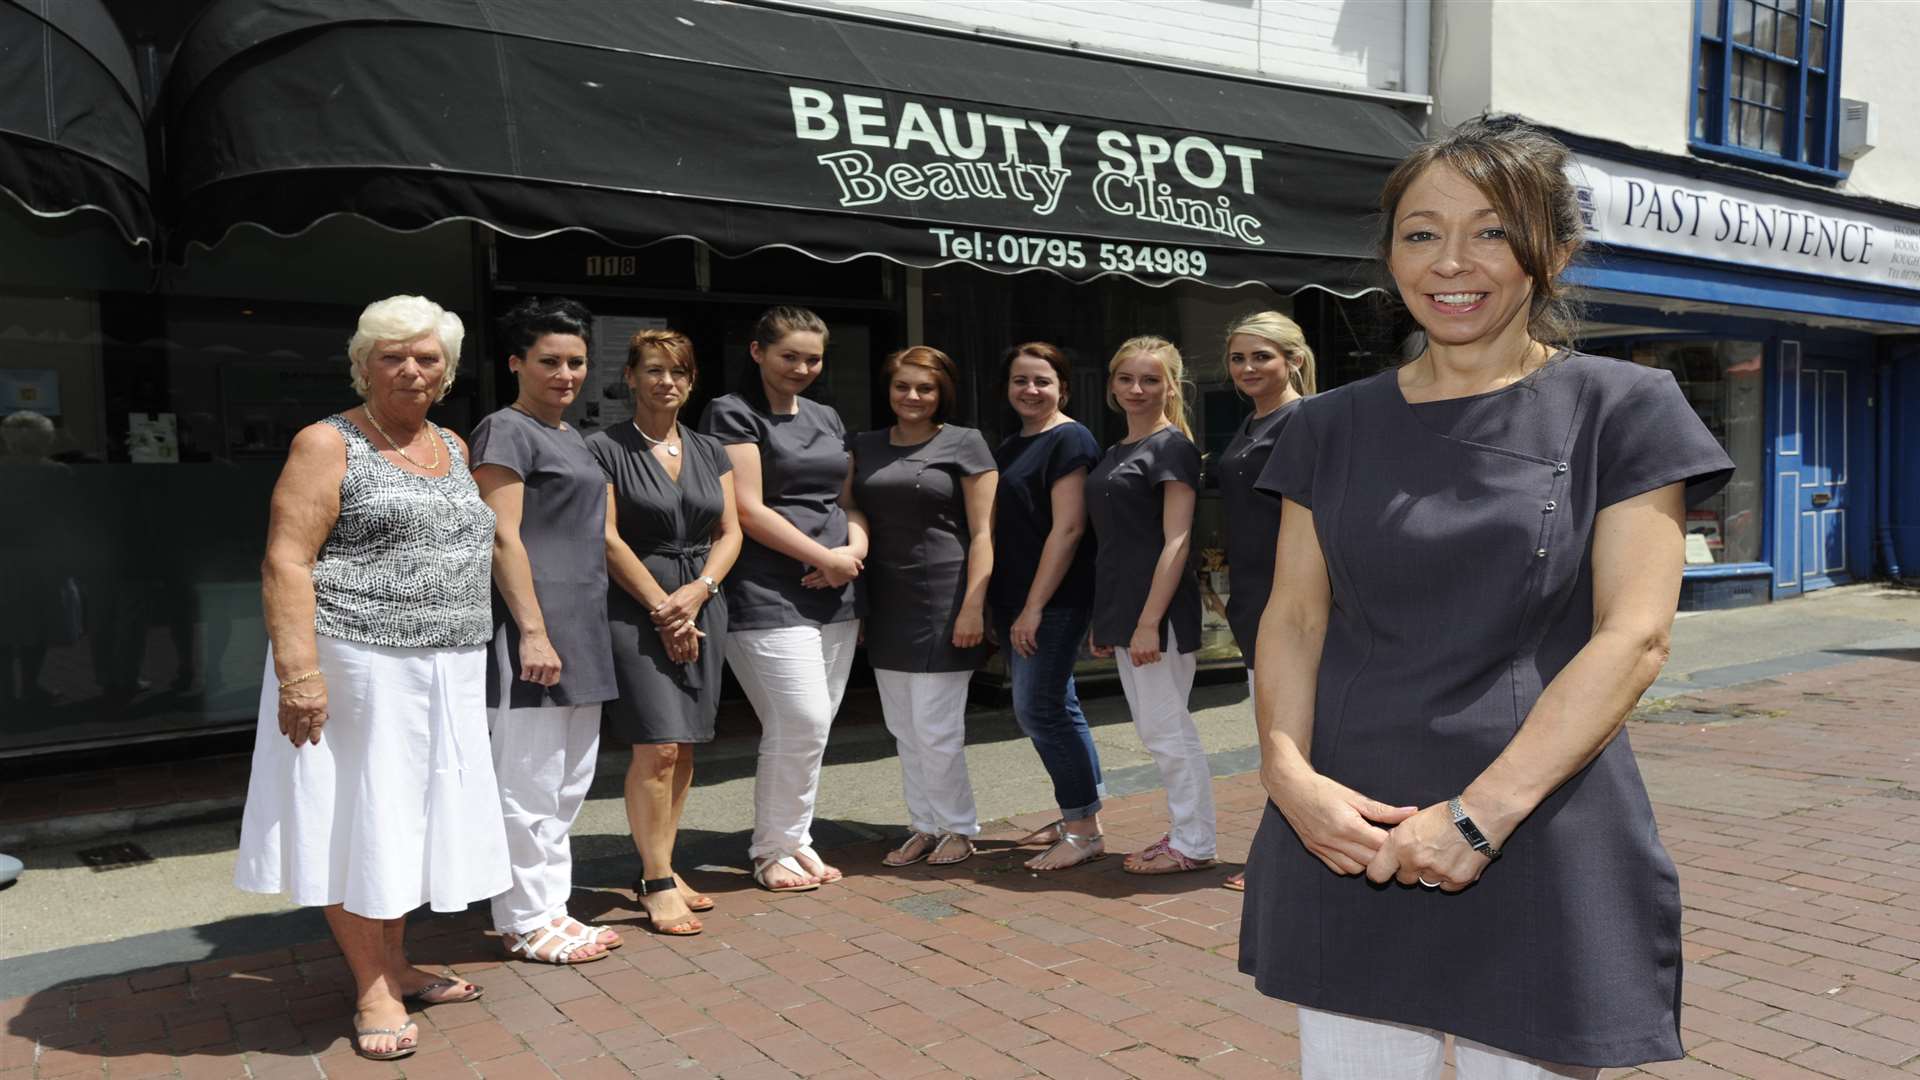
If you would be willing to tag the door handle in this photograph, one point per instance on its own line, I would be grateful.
(1822, 499)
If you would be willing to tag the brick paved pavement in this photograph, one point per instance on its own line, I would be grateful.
(1793, 807)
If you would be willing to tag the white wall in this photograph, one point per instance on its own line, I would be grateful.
(1879, 39)
(1347, 43)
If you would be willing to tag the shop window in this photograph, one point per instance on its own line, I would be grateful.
(1766, 83)
(1723, 382)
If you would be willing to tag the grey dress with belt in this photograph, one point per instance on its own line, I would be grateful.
(1458, 539)
(916, 574)
(668, 524)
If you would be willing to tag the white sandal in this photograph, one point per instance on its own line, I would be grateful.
(527, 946)
(808, 855)
(791, 866)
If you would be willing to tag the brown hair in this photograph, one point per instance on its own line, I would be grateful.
(670, 343)
(1286, 335)
(1057, 360)
(776, 323)
(945, 375)
(1162, 350)
(1523, 173)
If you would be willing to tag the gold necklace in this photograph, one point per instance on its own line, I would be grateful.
(368, 409)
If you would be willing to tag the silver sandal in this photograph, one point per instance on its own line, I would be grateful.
(1089, 848)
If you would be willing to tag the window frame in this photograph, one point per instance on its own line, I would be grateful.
(1708, 136)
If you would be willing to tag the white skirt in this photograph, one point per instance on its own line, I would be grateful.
(396, 806)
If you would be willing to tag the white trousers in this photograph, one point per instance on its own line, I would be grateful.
(794, 676)
(927, 713)
(543, 759)
(1157, 696)
(1335, 1046)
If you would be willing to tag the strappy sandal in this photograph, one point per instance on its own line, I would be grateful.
(1164, 846)
(934, 858)
(528, 946)
(1048, 834)
(686, 927)
(394, 1054)
(1085, 848)
(1236, 882)
(696, 903)
(431, 994)
(791, 866)
(593, 933)
(826, 875)
(915, 848)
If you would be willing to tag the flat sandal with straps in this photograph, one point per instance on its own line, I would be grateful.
(1086, 848)
(528, 946)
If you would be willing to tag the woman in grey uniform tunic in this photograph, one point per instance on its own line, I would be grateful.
(927, 489)
(1268, 361)
(1478, 565)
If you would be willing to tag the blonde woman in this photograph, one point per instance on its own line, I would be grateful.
(1269, 362)
(1146, 600)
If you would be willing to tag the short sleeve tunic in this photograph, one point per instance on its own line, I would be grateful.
(563, 524)
(1253, 523)
(1023, 515)
(1458, 537)
(668, 524)
(803, 463)
(916, 571)
(1125, 504)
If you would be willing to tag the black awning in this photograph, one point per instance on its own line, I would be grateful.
(71, 130)
(746, 127)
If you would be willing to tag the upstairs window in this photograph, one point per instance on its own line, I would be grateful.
(1766, 83)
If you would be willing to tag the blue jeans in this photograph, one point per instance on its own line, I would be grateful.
(1048, 709)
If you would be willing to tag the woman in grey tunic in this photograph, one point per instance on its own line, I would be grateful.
(675, 538)
(1146, 600)
(791, 642)
(1479, 561)
(551, 666)
(927, 489)
(1268, 361)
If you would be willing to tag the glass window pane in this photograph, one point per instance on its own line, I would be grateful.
(1817, 47)
(1779, 81)
(1746, 77)
(1762, 27)
(1700, 107)
(1789, 43)
(1774, 140)
(1710, 17)
(1743, 21)
(1818, 10)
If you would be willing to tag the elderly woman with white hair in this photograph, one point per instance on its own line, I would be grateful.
(372, 789)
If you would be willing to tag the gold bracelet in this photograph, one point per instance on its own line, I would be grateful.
(298, 679)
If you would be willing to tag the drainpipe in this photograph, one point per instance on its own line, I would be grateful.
(1416, 39)
(1883, 470)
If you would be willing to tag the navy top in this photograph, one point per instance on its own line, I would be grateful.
(1023, 515)
(803, 464)
(563, 525)
(1253, 524)
(1127, 509)
(1458, 538)
(916, 574)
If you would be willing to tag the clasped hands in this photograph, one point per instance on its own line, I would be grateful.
(1353, 834)
(677, 619)
(834, 572)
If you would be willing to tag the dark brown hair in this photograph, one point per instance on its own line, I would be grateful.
(776, 323)
(670, 343)
(1523, 173)
(945, 375)
(1057, 360)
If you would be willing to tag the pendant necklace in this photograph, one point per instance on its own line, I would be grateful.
(651, 441)
(396, 446)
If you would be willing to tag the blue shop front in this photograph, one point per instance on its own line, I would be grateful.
(1791, 317)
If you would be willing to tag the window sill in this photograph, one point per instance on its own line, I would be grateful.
(1754, 159)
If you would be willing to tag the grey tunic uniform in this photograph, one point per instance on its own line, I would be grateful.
(803, 464)
(1253, 524)
(563, 524)
(669, 525)
(1458, 540)
(1125, 503)
(917, 548)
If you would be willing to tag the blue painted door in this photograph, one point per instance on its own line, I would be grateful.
(1819, 486)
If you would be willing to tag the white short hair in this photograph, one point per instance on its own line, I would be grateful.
(404, 318)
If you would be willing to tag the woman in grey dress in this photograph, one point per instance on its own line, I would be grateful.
(1268, 361)
(1479, 560)
(551, 666)
(672, 539)
(926, 487)
(791, 642)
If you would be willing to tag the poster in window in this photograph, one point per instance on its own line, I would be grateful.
(31, 389)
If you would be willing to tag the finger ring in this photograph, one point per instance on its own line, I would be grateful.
(1429, 884)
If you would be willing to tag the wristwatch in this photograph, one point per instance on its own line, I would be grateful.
(713, 587)
(1475, 839)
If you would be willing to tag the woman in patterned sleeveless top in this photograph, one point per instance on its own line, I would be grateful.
(372, 789)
